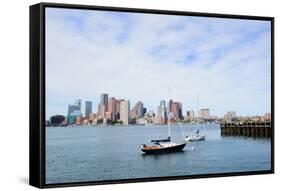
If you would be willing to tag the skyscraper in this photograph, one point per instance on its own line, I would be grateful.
(103, 106)
(139, 109)
(163, 109)
(88, 108)
(162, 112)
(104, 100)
(73, 116)
(133, 114)
(72, 108)
(144, 111)
(78, 102)
(74, 111)
(112, 108)
(101, 111)
(118, 101)
(125, 112)
(176, 109)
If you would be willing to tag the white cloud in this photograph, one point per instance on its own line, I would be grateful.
(137, 56)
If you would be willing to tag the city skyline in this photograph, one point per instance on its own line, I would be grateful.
(191, 56)
(116, 111)
(161, 110)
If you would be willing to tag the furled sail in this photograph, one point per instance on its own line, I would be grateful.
(161, 140)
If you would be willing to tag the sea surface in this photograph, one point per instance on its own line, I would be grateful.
(78, 154)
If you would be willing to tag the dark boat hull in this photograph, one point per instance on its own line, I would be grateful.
(172, 149)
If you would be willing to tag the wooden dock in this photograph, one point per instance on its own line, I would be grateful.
(252, 129)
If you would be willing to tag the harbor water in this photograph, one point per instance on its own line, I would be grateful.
(79, 154)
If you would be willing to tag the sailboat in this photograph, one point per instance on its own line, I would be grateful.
(161, 146)
(197, 136)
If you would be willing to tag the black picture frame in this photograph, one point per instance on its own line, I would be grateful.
(37, 93)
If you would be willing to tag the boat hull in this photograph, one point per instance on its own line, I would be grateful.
(172, 149)
(199, 138)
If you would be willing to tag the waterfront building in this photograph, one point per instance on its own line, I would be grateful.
(204, 113)
(65, 121)
(101, 111)
(158, 118)
(162, 112)
(149, 116)
(86, 122)
(108, 115)
(103, 106)
(76, 113)
(139, 109)
(163, 103)
(144, 111)
(117, 114)
(150, 113)
(73, 116)
(256, 118)
(155, 120)
(230, 116)
(79, 120)
(190, 114)
(71, 119)
(133, 114)
(88, 108)
(104, 100)
(176, 109)
(267, 117)
(125, 112)
(72, 108)
(78, 103)
(73, 111)
(112, 108)
(93, 118)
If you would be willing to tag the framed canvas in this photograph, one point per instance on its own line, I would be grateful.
(122, 95)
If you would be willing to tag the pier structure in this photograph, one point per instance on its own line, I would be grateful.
(252, 129)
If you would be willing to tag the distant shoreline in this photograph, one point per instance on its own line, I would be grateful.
(84, 126)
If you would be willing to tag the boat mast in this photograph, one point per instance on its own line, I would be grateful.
(169, 122)
(198, 106)
(169, 131)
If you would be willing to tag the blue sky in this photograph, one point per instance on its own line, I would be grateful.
(138, 56)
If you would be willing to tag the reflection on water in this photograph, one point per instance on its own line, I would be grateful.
(108, 153)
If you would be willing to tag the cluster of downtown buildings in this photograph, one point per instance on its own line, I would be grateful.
(112, 111)
(119, 111)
